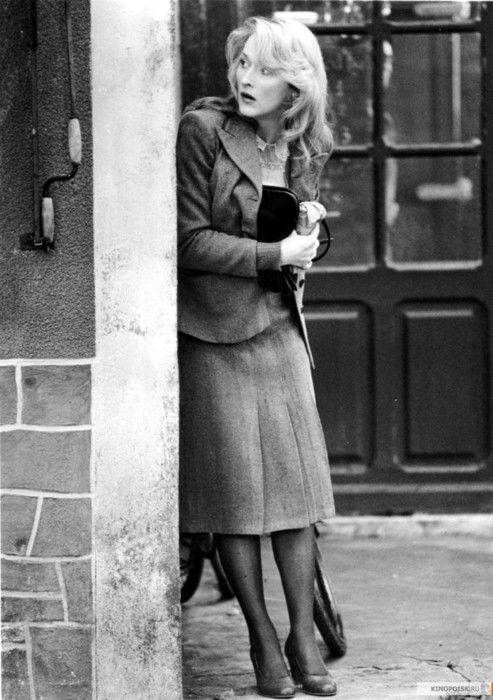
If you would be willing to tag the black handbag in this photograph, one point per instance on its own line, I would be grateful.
(277, 217)
(277, 214)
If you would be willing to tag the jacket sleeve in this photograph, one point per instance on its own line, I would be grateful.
(200, 247)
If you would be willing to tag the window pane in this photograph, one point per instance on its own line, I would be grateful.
(348, 64)
(434, 88)
(435, 217)
(346, 192)
(426, 10)
(311, 12)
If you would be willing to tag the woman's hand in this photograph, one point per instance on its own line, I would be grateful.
(299, 250)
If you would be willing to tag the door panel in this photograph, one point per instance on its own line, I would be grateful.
(341, 339)
(444, 388)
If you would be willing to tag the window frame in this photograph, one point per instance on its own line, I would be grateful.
(381, 29)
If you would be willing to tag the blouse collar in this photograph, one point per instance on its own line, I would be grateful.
(280, 147)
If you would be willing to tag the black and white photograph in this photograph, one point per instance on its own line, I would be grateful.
(246, 342)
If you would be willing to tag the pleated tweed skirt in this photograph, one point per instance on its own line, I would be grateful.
(252, 452)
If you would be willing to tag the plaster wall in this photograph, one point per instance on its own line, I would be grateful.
(134, 373)
(47, 300)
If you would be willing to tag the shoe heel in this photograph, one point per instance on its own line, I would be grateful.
(272, 687)
(320, 685)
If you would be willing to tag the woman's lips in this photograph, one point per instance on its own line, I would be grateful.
(247, 97)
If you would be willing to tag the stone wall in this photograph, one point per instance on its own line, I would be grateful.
(47, 611)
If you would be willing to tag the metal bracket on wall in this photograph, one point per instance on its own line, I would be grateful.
(43, 235)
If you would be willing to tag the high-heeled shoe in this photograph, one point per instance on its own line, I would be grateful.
(282, 687)
(322, 685)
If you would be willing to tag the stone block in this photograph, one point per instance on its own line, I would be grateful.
(31, 610)
(56, 395)
(46, 461)
(15, 680)
(64, 528)
(62, 663)
(12, 635)
(8, 396)
(29, 576)
(17, 522)
(78, 583)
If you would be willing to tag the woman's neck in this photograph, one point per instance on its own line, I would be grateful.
(268, 131)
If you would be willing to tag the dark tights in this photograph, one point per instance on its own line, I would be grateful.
(295, 558)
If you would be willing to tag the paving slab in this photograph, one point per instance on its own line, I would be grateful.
(415, 609)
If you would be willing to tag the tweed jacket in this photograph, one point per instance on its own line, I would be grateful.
(219, 183)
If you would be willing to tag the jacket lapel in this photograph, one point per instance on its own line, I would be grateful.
(238, 139)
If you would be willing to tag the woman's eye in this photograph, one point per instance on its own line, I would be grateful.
(266, 71)
(242, 62)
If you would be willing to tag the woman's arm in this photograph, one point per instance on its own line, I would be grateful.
(200, 247)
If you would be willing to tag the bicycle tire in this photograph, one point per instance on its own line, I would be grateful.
(325, 611)
(222, 580)
(327, 241)
(191, 566)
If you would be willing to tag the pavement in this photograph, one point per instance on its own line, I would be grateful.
(416, 603)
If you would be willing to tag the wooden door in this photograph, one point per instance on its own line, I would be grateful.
(399, 313)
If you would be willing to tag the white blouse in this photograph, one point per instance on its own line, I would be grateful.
(273, 161)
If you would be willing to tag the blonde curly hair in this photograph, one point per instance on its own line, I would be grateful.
(291, 50)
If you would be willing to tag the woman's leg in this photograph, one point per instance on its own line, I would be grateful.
(241, 560)
(294, 552)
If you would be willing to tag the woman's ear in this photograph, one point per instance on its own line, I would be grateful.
(292, 94)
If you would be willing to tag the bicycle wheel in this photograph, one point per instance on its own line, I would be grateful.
(222, 581)
(325, 611)
(191, 565)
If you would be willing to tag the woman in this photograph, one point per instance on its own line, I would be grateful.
(253, 458)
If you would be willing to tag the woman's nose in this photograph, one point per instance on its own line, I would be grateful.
(247, 77)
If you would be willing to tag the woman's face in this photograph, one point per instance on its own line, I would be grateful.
(262, 94)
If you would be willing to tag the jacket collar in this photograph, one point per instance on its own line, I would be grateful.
(239, 140)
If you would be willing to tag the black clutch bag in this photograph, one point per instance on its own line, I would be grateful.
(276, 219)
(277, 214)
